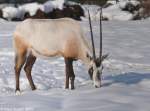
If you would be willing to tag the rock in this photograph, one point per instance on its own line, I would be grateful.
(56, 13)
(72, 11)
(131, 7)
(38, 15)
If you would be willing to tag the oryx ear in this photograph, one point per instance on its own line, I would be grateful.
(100, 60)
(105, 57)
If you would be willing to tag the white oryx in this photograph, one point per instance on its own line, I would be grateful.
(57, 37)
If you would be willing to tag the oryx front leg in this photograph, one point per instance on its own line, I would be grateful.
(69, 73)
(28, 68)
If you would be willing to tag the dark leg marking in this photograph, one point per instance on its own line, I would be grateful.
(28, 68)
(69, 73)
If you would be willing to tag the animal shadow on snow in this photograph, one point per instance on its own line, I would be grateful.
(127, 78)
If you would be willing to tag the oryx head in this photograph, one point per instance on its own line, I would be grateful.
(95, 67)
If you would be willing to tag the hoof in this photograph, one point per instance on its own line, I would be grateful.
(66, 87)
(17, 92)
(72, 88)
(34, 88)
(96, 86)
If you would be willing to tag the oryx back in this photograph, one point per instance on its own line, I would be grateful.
(51, 37)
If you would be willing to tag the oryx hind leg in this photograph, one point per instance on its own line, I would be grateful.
(69, 73)
(20, 58)
(19, 62)
(28, 68)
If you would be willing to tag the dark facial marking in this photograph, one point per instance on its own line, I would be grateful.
(97, 62)
(98, 75)
(90, 71)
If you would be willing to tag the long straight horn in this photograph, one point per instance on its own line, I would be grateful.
(101, 36)
(92, 39)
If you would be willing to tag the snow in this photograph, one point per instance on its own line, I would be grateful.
(11, 12)
(93, 9)
(50, 5)
(125, 79)
(115, 13)
(123, 4)
(46, 7)
(31, 8)
(2, 20)
(6, 5)
(134, 2)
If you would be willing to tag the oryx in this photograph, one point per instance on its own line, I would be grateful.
(58, 37)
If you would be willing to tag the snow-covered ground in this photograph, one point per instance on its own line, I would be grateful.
(126, 77)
